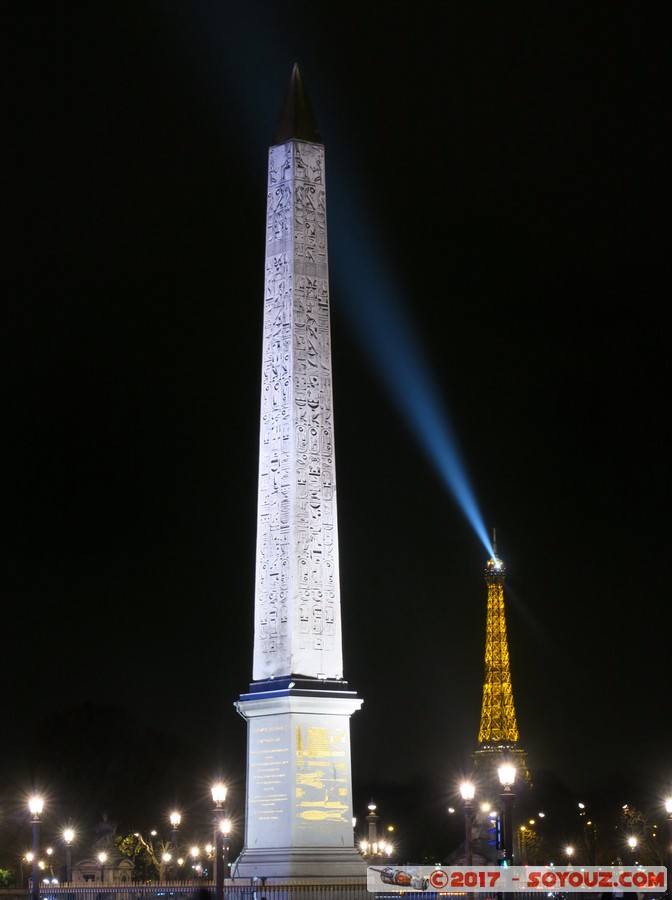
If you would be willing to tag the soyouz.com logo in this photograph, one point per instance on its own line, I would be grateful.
(511, 879)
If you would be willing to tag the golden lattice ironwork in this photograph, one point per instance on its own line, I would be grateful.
(498, 716)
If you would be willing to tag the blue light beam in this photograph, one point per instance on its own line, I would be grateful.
(380, 321)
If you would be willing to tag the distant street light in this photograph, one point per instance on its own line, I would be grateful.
(507, 777)
(219, 792)
(668, 810)
(226, 833)
(467, 790)
(372, 822)
(68, 837)
(175, 819)
(374, 848)
(194, 853)
(102, 859)
(35, 805)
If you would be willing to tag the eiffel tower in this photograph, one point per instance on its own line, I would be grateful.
(498, 737)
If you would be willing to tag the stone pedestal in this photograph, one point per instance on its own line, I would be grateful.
(299, 781)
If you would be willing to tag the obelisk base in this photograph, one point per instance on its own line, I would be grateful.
(299, 809)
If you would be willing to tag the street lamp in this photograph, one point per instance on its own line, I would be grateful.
(194, 853)
(507, 777)
(370, 846)
(467, 790)
(35, 805)
(632, 844)
(68, 837)
(374, 848)
(372, 821)
(102, 859)
(175, 819)
(219, 799)
(668, 855)
(226, 832)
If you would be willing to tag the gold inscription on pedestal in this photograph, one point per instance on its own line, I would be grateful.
(321, 789)
(268, 763)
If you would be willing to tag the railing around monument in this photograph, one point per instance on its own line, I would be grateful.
(238, 889)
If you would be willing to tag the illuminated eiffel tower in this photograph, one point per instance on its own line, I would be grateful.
(498, 738)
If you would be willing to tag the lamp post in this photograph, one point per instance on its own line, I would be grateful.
(632, 844)
(35, 805)
(507, 777)
(370, 846)
(68, 837)
(102, 859)
(374, 848)
(226, 833)
(165, 859)
(175, 819)
(668, 855)
(219, 799)
(467, 790)
(372, 822)
(194, 853)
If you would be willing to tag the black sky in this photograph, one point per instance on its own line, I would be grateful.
(509, 168)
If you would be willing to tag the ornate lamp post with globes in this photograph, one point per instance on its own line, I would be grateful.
(374, 849)
(35, 805)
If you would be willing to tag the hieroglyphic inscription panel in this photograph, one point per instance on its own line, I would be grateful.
(297, 599)
(269, 778)
(322, 792)
(298, 776)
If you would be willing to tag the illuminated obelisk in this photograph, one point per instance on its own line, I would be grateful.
(298, 820)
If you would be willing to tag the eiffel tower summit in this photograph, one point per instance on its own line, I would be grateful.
(498, 738)
(299, 812)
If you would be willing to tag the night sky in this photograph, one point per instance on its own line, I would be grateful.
(500, 175)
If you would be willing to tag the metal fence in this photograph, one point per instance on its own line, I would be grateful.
(239, 889)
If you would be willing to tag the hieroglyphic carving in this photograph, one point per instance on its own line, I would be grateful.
(322, 784)
(297, 602)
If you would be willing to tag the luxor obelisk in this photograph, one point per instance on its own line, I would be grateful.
(298, 820)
